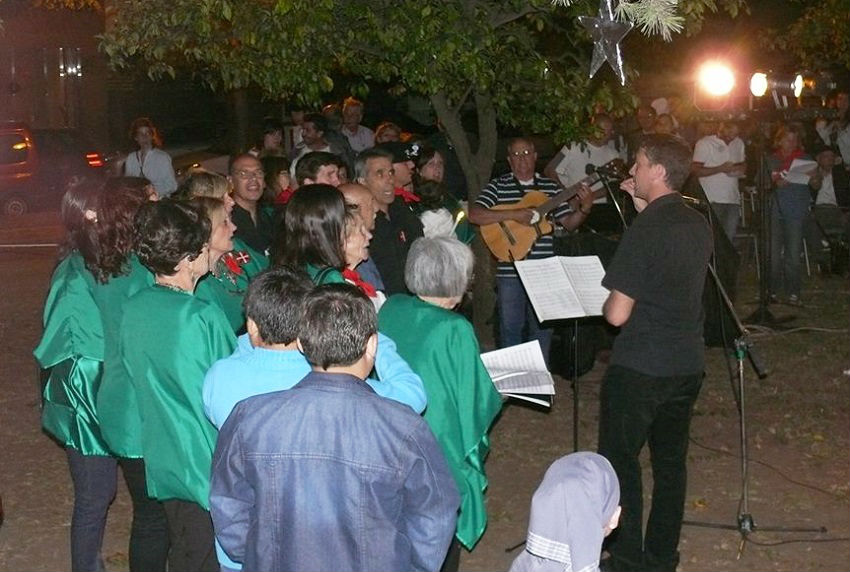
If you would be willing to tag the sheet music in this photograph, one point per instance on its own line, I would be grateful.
(562, 287)
(800, 171)
(549, 289)
(586, 274)
(519, 369)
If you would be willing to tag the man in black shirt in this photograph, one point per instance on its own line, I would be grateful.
(253, 225)
(396, 226)
(656, 281)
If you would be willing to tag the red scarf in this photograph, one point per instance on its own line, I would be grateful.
(283, 197)
(354, 277)
(786, 161)
(407, 196)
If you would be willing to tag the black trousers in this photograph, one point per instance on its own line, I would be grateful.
(638, 409)
(192, 539)
(149, 531)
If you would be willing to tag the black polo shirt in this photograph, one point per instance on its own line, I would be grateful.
(258, 236)
(661, 263)
(391, 239)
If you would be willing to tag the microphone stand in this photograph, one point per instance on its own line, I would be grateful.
(606, 182)
(744, 349)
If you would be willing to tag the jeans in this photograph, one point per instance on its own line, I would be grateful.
(636, 409)
(94, 478)
(192, 539)
(788, 212)
(149, 531)
(728, 215)
(517, 321)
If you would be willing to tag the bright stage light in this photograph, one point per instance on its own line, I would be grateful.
(785, 84)
(798, 85)
(758, 84)
(716, 78)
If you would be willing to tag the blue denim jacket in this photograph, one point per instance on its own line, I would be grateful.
(330, 476)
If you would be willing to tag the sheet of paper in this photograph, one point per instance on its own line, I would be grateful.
(549, 289)
(800, 171)
(586, 274)
(519, 369)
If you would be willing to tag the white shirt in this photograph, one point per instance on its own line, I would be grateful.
(155, 167)
(304, 151)
(571, 169)
(826, 194)
(712, 151)
(360, 140)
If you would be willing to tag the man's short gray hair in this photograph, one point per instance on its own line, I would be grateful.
(363, 158)
(438, 267)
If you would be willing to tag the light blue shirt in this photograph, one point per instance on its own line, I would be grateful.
(251, 371)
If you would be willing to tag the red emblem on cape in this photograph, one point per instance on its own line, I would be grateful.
(232, 261)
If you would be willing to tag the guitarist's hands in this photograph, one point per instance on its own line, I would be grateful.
(585, 198)
(523, 216)
(629, 186)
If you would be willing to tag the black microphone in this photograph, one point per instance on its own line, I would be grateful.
(591, 169)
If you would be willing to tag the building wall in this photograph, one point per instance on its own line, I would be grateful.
(51, 73)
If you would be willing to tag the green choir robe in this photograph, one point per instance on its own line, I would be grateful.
(441, 347)
(116, 402)
(168, 341)
(72, 348)
(226, 285)
(325, 275)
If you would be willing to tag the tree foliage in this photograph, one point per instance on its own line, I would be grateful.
(819, 39)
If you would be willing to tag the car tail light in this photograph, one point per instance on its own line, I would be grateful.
(94, 159)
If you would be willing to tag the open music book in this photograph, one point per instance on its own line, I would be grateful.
(520, 371)
(562, 287)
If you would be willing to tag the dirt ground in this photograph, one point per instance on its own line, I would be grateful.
(797, 418)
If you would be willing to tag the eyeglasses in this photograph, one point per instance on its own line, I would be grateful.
(245, 175)
(523, 153)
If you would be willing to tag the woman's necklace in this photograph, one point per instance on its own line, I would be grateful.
(172, 287)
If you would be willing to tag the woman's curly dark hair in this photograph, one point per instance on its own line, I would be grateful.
(80, 205)
(169, 231)
(120, 198)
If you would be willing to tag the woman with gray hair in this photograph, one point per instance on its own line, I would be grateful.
(441, 347)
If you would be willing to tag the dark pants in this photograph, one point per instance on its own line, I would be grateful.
(149, 531)
(517, 321)
(636, 409)
(94, 478)
(192, 539)
(452, 561)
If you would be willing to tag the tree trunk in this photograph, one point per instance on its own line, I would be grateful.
(477, 167)
(239, 126)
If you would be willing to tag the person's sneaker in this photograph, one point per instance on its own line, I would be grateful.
(794, 300)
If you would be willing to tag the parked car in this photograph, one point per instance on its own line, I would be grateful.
(37, 164)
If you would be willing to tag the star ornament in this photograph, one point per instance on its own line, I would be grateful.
(607, 33)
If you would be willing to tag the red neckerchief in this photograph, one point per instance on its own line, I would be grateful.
(354, 277)
(407, 196)
(786, 161)
(283, 197)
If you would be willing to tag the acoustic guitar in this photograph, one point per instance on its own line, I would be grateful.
(510, 240)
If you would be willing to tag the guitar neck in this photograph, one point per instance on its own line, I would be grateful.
(564, 195)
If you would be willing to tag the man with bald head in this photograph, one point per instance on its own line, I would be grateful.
(360, 197)
(515, 311)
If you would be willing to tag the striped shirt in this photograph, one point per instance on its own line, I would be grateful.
(506, 190)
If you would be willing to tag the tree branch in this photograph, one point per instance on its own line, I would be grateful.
(499, 20)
